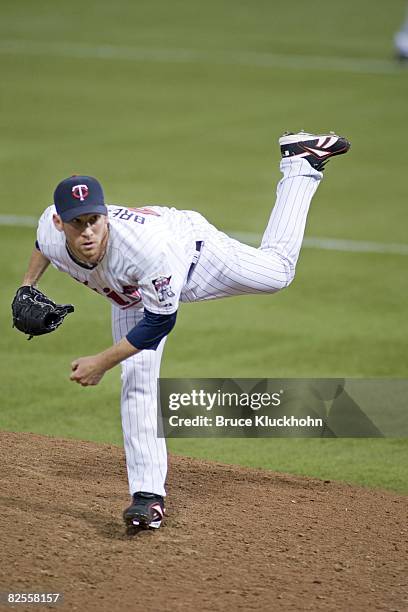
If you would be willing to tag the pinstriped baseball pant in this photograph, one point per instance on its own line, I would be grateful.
(225, 268)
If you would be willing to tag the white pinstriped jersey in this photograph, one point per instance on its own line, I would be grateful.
(149, 254)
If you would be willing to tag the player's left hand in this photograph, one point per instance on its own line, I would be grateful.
(87, 371)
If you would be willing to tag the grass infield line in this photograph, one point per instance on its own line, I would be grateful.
(196, 56)
(327, 244)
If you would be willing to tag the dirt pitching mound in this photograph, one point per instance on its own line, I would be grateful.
(234, 539)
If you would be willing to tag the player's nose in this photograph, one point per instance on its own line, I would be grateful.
(87, 230)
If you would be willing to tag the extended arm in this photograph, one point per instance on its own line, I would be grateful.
(147, 334)
(88, 371)
(36, 267)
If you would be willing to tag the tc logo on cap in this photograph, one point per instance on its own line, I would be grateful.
(80, 192)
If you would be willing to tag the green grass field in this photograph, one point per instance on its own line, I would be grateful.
(182, 103)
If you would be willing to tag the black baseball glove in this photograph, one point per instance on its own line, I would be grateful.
(34, 314)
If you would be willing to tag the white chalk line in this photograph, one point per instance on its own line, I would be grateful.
(18, 221)
(195, 56)
(327, 244)
(333, 244)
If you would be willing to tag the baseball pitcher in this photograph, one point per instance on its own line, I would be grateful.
(146, 261)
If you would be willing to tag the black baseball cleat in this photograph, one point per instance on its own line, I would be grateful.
(315, 148)
(146, 511)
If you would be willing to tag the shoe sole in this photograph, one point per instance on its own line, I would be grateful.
(304, 137)
(142, 522)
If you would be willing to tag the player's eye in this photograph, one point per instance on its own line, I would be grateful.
(79, 223)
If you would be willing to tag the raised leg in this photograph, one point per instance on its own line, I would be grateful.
(227, 267)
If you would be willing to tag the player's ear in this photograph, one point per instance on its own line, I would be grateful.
(58, 222)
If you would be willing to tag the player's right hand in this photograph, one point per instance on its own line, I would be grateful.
(87, 371)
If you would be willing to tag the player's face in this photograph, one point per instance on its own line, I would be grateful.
(87, 236)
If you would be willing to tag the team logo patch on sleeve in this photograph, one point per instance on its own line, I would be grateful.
(163, 288)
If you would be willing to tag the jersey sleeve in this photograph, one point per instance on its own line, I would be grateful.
(150, 331)
(49, 241)
(161, 276)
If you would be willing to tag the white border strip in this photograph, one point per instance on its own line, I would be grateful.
(328, 244)
(193, 56)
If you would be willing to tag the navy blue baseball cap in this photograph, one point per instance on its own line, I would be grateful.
(79, 195)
